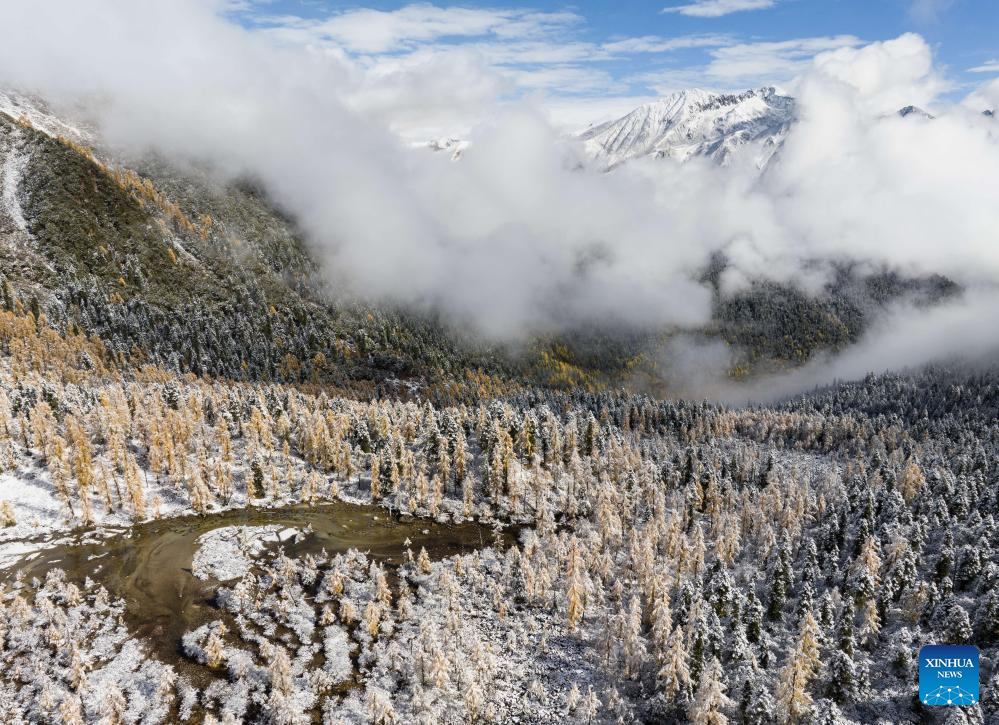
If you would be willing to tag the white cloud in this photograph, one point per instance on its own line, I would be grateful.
(928, 11)
(985, 98)
(574, 115)
(780, 59)
(989, 66)
(565, 80)
(443, 90)
(659, 44)
(376, 31)
(887, 75)
(717, 8)
(522, 53)
(479, 54)
(741, 65)
(906, 338)
(426, 94)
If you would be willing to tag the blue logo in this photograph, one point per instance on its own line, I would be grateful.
(948, 674)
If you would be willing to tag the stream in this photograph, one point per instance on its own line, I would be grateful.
(149, 564)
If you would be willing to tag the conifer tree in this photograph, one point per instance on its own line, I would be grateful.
(576, 594)
(423, 561)
(376, 489)
(214, 650)
(793, 700)
(280, 671)
(71, 711)
(844, 680)
(710, 701)
(7, 517)
(674, 675)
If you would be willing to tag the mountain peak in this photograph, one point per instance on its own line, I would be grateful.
(694, 122)
(914, 110)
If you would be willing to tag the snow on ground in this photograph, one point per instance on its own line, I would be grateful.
(34, 502)
(40, 512)
(227, 553)
(10, 175)
(76, 661)
(17, 105)
(21, 551)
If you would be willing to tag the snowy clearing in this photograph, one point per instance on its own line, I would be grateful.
(227, 553)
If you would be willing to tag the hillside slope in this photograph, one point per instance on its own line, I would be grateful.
(173, 266)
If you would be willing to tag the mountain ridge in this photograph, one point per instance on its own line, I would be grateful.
(693, 123)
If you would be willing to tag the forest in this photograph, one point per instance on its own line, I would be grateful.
(670, 561)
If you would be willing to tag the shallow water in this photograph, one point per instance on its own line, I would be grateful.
(149, 565)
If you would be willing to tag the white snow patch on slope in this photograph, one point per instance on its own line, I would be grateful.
(35, 503)
(18, 106)
(227, 553)
(10, 176)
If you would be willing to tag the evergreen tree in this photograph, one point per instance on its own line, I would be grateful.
(710, 701)
(826, 712)
(844, 680)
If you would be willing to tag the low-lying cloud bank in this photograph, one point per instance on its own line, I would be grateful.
(522, 236)
(905, 338)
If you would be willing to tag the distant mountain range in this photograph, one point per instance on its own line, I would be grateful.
(698, 123)
(688, 124)
(683, 125)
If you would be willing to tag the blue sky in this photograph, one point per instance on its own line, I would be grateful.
(602, 57)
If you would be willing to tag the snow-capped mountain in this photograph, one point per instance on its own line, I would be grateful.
(689, 124)
(915, 111)
(695, 123)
